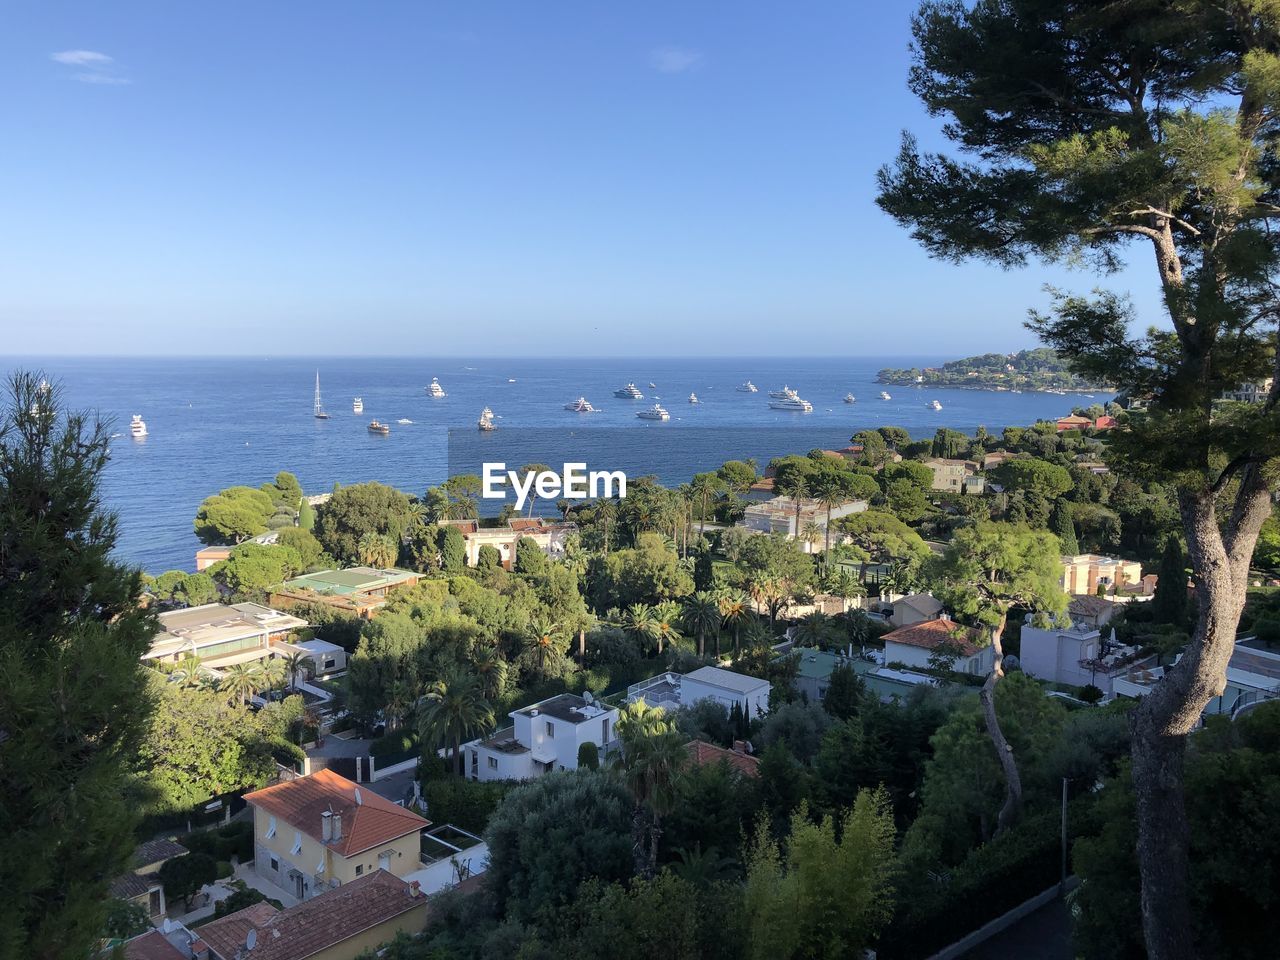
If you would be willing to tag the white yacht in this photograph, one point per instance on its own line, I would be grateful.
(884, 395)
(935, 405)
(435, 390)
(485, 423)
(357, 405)
(138, 426)
(748, 387)
(654, 413)
(629, 392)
(580, 406)
(782, 394)
(693, 398)
(404, 420)
(791, 402)
(849, 398)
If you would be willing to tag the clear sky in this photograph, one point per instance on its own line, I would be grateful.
(474, 178)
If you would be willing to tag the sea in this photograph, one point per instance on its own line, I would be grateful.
(216, 422)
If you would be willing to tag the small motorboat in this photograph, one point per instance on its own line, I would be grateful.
(849, 398)
(404, 420)
(378, 427)
(693, 398)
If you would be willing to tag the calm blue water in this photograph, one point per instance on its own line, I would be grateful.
(218, 422)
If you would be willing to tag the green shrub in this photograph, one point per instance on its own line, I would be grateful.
(589, 756)
(396, 744)
(224, 869)
(244, 897)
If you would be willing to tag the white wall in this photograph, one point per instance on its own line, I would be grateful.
(691, 691)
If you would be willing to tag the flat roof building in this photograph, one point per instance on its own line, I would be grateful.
(358, 590)
(221, 634)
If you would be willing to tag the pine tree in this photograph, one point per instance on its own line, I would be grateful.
(1169, 605)
(73, 697)
(1062, 526)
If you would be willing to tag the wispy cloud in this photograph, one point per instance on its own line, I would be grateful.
(81, 58)
(674, 59)
(96, 68)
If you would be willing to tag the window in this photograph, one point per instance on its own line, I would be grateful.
(271, 828)
(493, 763)
(551, 731)
(297, 842)
(359, 869)
(330, 663)
(275, 865)
(604, 730)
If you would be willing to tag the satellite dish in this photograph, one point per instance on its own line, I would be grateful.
(251, 939)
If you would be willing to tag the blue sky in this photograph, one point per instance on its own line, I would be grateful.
(658, 178)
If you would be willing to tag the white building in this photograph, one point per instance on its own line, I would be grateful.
(221, 634)
(1079, 655)
(543, 737)
(326, 657)
(779, 516)
(1253, 676)
(674, 690)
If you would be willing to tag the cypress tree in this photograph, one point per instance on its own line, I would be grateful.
(73, 696)
(1063, 528)
(1169, 605)
(704, 576)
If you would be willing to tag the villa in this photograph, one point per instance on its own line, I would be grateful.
(220, 634)
(778, 515)
(206, 557)
(703, 754)
(949, 475)
(1078, 655)
(358, 590)
(543, 737)
(1084, 573)
(915, 608)
(322, 831)
(1253, 677)
(142, 886)
(915, 644)
(550, 537)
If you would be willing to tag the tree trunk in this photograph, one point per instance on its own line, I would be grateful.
(1004, 750)
(655, 831)
(1163, 719)
(582, 645)
(638, 854)
(826, 547)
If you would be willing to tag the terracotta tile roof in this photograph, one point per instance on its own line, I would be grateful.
(226, 935)
(151, 946)
(132, 885)
(1087, 605)
(703, 753)
(372, 821)
(317, 924)
(157, 851)
(929, 634)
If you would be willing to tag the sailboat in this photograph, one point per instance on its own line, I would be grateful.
(319, 411)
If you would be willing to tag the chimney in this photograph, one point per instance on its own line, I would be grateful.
(326, 826)
(337, 827)
(415, 889)
(739, 746)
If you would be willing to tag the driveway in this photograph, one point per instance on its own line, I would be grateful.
(1042, 935)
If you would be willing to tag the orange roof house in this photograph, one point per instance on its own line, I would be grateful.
(912, 645)
(1073, 422)
(339, 924)
(323, 831)
(703, 753)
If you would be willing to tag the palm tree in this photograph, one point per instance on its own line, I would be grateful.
(665, 617)
(453, 710)
(814, 630)
(241, 681)
(491, 670)
(811, 534)
(653, 754)
(296, 663)
(735, 610)
(187, 672)
(703, 867)
(377, 550)
(606, 515)
(702, 616)
(544, 647)
(702, 486)
(638, 621)
(833, 490)
(274, 673)
(797, 488)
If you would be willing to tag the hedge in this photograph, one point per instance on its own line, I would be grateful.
(992, 880)
(467, 804)
(222, 843)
